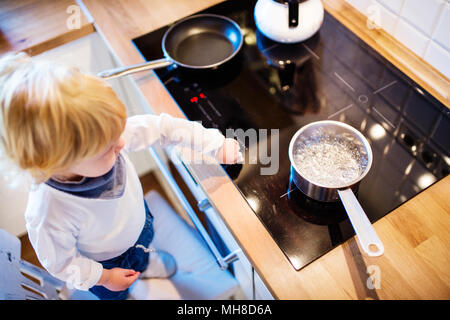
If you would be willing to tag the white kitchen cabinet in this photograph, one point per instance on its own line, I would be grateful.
(261, 291)
(90, 54)
(250, 282)
(242, 267)
(13, 202)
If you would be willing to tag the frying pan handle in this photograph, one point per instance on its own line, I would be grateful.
(365, 232)
(123, 71)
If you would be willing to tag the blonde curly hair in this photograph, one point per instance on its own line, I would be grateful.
(53, 116)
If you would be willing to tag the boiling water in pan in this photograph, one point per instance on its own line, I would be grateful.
(328, 159)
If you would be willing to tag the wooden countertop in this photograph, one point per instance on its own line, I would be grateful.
(36, 26)
(415, 235)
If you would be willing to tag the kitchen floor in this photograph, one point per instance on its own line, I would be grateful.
(149, 182)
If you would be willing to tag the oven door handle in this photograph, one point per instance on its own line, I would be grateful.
(222, 261)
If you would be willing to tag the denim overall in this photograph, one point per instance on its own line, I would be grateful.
(135, 258)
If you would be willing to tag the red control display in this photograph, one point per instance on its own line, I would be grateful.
(195, 99)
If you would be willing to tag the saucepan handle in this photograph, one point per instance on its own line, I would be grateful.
(364, 230)
(123, 71)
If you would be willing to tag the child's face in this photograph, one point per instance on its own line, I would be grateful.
(99, 164)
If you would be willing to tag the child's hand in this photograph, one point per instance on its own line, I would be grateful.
(117, 279)
(229, 152)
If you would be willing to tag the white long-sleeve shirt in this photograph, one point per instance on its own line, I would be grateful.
(71, 233)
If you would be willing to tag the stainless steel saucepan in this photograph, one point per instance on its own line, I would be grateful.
(328, 161)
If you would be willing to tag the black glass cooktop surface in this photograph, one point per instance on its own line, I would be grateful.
(270, 90)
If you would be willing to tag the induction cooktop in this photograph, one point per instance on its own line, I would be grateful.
(270, 90)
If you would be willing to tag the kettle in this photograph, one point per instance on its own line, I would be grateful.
(288, 21)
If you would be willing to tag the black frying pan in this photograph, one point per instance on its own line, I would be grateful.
(202, 41)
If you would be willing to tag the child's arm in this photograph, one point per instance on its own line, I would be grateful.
(55, 246)
(143, 131)
(57, 252)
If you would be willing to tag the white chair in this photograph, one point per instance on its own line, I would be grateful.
(13, 283)
(198, 275)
